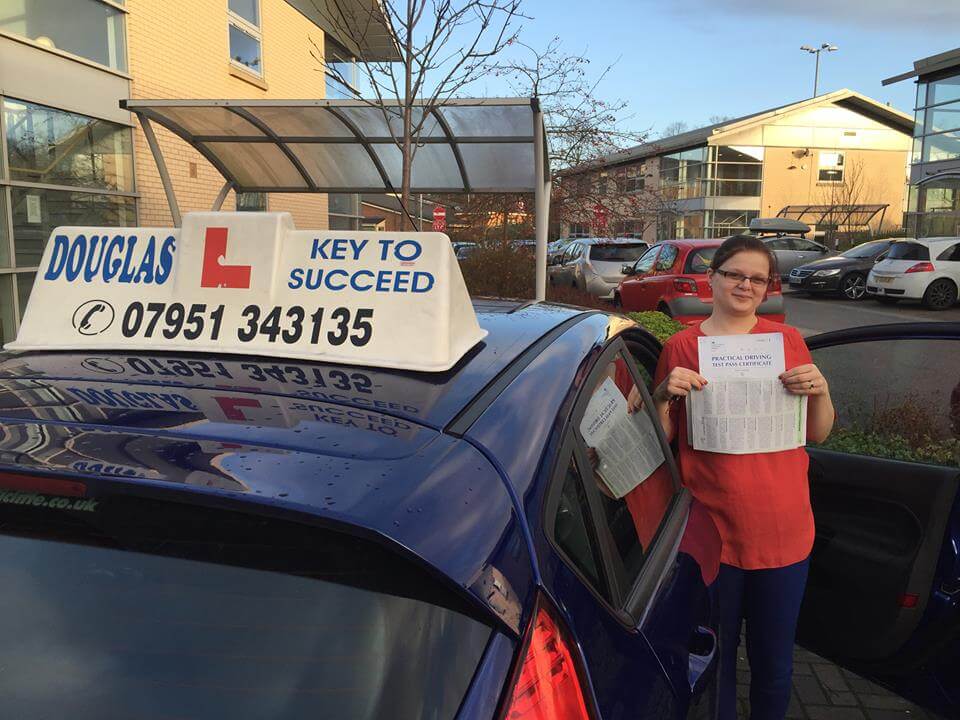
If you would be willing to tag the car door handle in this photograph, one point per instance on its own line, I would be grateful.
(703, 651)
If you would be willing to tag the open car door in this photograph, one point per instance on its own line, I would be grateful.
(883, 597)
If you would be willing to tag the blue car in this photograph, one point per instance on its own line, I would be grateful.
(207, 536)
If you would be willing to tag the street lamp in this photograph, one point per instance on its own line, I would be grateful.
(816, 51)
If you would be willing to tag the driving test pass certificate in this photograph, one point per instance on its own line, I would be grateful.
(744, 408)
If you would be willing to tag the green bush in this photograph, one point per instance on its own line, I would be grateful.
(895, 447)
(660, 325)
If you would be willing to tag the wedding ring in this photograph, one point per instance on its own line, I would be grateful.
(811, 385)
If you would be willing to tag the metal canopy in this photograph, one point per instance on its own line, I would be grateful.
(350, 146)
(859, 215)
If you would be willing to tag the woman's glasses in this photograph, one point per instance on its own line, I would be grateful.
(735, 278)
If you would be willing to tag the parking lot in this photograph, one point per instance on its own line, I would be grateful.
(817, 314)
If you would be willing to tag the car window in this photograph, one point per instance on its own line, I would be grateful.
(698, 260)
(128, 607)
(667, 257)
(645, 263)
(632, 483)
(779, 244)
(571, 252)
(908, 251)
(866, 250)
(805, 245)
(620, 252)
(885, 408)
(951, 254)
(572, 531)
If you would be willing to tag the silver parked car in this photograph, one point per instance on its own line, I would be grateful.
(595, 264)
(786, 239)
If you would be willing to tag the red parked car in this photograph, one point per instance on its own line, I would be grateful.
(672, 277)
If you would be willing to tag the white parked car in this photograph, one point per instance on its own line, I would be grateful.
(925, 269)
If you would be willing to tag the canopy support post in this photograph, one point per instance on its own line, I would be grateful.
(161, 167)
(541, 204)
(222, 196)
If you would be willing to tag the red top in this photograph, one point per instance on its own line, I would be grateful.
(760, 501)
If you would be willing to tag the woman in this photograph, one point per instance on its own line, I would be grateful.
(760, 502)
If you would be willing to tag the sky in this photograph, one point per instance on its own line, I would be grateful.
(688, 60)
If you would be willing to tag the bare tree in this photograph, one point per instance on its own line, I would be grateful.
(842, 203)
(677, 127)
(443, 46)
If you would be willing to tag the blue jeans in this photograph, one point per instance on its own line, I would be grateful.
(769, 600)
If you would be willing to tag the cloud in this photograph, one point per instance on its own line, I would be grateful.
(888, 14)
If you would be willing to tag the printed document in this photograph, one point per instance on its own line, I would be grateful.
(626, 445)
(744, 408)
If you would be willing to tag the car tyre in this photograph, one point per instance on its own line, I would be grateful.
(940, 295)
(617, 303)
(884, 300)
(853, 286)
(665, 309)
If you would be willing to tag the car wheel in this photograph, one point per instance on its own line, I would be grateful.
(854, 286)
(884, 300)
(616, 301)
(941, 294)
(665, 309)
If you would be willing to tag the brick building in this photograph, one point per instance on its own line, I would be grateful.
(69, 155)
(812, 160)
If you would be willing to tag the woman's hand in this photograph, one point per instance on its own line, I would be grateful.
(805, 380)
(634, 400)
(678, 384)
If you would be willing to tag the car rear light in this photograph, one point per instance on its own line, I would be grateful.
(547, 686)
(909, 600)
(685, 285)
(921, 267)
(39, 484)
(776, 285)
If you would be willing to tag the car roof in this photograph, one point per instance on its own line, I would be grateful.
(282, 444)
(694, 242)
(612, 241)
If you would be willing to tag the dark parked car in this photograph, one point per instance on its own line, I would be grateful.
(844, 274)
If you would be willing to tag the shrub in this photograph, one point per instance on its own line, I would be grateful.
(497, 270)
(893, 446)
(660, 325)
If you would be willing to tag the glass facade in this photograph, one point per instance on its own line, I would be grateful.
(712, 172)
(933, 208)
(723, 223)
(60, 168)
(90, 29)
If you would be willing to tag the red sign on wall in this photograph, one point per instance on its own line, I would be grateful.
(439, 218)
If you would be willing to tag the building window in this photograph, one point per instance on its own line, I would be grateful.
(245, 35)
(723, 223)
(630, 179)
(341, 72)
(90, 29)
(252, 202)
(344, 211)
(55, 147)
(60, 169)
(831, 167)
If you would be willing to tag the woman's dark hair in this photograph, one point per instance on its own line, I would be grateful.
(743, 243)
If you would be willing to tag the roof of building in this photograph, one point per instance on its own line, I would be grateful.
(929, 65)
(359, 25)
(845, 98)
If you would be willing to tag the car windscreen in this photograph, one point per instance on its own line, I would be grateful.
(621, 252)
(128, 607)
(866, 250)
(908, 251)
(698, 260)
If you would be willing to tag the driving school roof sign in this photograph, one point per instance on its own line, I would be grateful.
(250, 283)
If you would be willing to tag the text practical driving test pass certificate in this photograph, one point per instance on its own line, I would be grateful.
(744, 408)
(628, 449)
